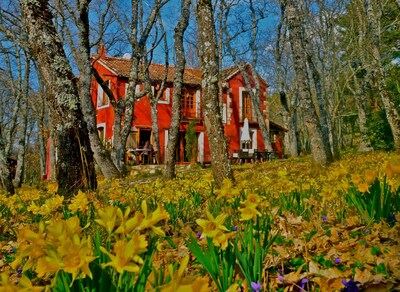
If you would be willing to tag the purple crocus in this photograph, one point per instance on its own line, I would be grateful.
(234, 228)
(256, 287)
(337, 260)
(324, 218)
(351, 285)
(303, 283)
(198, 234)
(281, 277)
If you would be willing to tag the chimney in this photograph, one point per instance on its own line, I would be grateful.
(102, 51)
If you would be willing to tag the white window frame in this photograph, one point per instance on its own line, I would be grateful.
(197, 103)
(167, 96)
(200, 147)
(100, 93)
(253, 133)
(224, 113)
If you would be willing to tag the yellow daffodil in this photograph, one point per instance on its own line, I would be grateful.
(212, 226)
(77, 255)
(222, 239)
(363, 187)
(79, 203)
(107, 218)
(370, 176)
(126, 254)
(249, 211)
(150, 220)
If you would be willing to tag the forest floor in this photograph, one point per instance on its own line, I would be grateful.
(282, 227)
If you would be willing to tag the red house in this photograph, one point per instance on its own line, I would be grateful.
(236, 106)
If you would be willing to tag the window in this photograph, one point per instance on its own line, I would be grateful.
(247, 110)
(188, 104)
(102, 97)
(165, 97)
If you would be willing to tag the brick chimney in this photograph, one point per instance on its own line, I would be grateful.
(102, 51)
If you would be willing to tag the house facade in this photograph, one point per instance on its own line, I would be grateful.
(236, 105)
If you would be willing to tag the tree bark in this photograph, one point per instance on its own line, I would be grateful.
(212, 117)
(75, 165)
(24, 124)
(320, 153)
(100, 153)
(170, 155)
(374, 12)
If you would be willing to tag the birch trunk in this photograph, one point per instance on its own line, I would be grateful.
(212, 118)
(75, 165)
(320, 153)
(170, 155)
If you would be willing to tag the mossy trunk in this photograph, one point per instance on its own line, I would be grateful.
(75, 165)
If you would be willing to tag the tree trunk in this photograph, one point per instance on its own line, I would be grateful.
(212, 118)
(100, 153)
(75, 164)
(24, 124)
(373, 17)
(318, 147)
(170, 155)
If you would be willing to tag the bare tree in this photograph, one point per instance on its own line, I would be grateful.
(290, 106)
(248, 70)
(321, 152)
(76, 164)
(23, 125)
(212, 116)
(170, 156)
(138, 35)
(373, 16)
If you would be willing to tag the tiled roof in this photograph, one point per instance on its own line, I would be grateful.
(122, 67)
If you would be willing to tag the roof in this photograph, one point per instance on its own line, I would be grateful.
(192, 76)
(121, 67)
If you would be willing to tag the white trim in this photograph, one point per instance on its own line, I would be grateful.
(152, 89)
(197, 103)
(228, 106)
(200, 147)
(137, 89)
(100, 93)
(233, 74)
(224, 113)
(166, 140)
(108, 68)
(167, 96)
(253, 133)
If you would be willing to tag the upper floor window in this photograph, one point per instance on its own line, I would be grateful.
(102, 97)
(165, 97)
(247, 108)
(188, 104)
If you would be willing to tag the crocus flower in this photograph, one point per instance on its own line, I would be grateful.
(351, 285)
(198, 234)
(281, 277)
(234, 228)
(303, 283)
(256, 287)
(324, 218)
(337, 260)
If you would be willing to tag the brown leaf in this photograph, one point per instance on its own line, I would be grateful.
(363, 276)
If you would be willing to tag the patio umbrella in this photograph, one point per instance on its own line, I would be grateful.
(245, 136)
